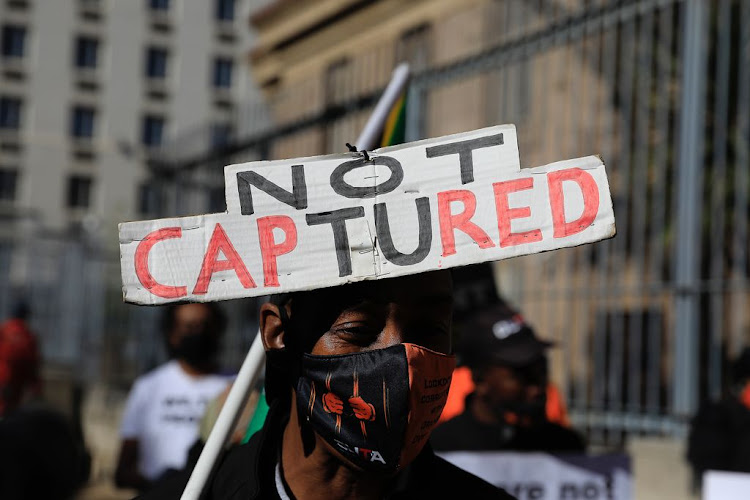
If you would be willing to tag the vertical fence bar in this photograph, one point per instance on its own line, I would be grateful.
(639, 197)
(608, 74)
(719, 187)
(623, 208)
(660, 162)
(742, 163)
(689, 202)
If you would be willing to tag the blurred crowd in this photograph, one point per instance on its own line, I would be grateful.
(501, 397)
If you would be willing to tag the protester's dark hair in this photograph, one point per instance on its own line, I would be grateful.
(169, 318)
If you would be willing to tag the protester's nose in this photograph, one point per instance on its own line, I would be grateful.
(391, 335)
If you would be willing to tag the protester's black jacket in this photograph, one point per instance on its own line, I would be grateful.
(247, 473)
(464, 432)
(720, 437)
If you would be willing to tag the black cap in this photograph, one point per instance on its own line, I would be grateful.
(500, 335)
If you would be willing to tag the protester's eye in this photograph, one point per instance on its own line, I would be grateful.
(357, 333)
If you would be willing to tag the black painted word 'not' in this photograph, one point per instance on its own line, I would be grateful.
(297, 198)
(464, 151)
(343, 188)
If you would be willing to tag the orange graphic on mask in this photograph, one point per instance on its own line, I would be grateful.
(363, 411)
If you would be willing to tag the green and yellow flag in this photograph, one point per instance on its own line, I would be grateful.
(394, 131)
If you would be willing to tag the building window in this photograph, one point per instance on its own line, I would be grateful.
(414, 48)
(13, 41)
(148, 199)
(8, 182)
(79, 191)
(224, 10)
(156, 62)
(86, 52)
(222, 72)
(158, 4)
(221, 134)
(10, 113)
(153, 130)
(82, 122)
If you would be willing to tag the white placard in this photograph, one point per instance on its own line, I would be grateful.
(722, 485)
(315, 222)
(538, 476)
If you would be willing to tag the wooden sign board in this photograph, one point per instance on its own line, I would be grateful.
(323, 221)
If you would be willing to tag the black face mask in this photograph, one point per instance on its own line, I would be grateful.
(198, 349)
(377, 408)
(525, 413)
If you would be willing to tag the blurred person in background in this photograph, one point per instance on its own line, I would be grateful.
(19, 360)
(509, 407)
(165, 406)
(42, 455)
(719, 436)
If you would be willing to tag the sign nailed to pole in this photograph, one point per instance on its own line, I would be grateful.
(328, 220)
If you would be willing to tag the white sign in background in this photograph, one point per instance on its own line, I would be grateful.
(723, 485)
(539, 476)
(314, 222)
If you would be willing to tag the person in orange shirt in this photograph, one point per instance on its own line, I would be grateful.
(509, 403)
(463, 385)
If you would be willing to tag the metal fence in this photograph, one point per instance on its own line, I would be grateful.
(647, 320)
(85, 330)
(644, 322)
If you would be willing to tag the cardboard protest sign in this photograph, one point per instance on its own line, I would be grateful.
(323, 221)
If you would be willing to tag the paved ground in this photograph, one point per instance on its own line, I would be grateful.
(101, 417)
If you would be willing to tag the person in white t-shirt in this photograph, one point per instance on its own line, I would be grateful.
(164, 408)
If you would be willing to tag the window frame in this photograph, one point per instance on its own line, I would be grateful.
(7, 50)
(147, 129)
(81, 59)
(220, 65)
(222, 8)
(155, 55)
(158, 5)
(79, 191)
(8, 176)
(83, 122)
(18, 121)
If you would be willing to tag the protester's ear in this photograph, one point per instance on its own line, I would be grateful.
(271, 326)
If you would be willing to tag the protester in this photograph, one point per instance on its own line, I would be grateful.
(720, 432)
(165, 406)
(356, 377)
(42, 455)
(507, 409)
(19, 360)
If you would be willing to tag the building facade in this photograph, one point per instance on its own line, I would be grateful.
(91, 90)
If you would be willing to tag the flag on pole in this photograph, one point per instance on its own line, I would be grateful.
(394, 131)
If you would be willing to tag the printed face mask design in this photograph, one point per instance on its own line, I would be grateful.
(377, 408)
